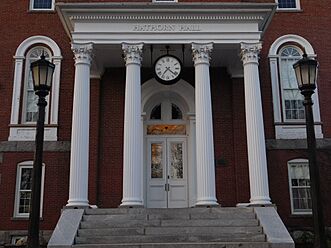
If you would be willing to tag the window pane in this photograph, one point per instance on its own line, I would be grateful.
(156, 112)
(176, 160)
(42, 4)
(26, 178)
(156, 160)
(25, 199)
(176, 113)
(286, 3)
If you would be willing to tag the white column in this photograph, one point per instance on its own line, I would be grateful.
(79, 160)
(257, 161)
(206, 193)
(132, 155)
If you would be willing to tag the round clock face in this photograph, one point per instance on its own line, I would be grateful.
(167, 69)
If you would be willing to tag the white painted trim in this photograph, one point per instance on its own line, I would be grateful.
(35, 9)
(289, 163)
(286, 130)
(18, 83)
(165, 1)
(27, 164)
(25, 133)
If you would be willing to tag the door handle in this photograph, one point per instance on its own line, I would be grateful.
(167, 187)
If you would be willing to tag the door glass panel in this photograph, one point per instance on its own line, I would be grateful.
(156, 160)
(176, 160)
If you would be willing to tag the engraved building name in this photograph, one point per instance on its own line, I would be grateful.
(166, 27)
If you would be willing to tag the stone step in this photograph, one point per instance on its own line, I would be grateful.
(118, 211)
(169, 231)
(171, 238)
(168, 223)
(180, 245)
(168, 216)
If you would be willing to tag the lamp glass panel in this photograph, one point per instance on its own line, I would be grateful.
(305, 73)
(50, 75)
(35, 76)
(298, 75)
(43, 74)
(312, 74)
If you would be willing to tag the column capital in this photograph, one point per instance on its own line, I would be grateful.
(202, 53)
(133, 53)
(250, 52)
(82, 52)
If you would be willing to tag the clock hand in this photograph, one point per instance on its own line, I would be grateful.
(167, 69)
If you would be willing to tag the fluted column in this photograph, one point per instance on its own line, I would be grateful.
(132, 155)
(257, 162)
(78, 184)
(206, 193)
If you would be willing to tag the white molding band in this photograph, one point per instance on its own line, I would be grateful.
(133, 143)
(79, 159)
(206, 192)
(257, 160)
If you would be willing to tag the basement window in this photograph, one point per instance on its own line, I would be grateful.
(288, 4)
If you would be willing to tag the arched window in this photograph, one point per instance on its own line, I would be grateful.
(166, 111)
(30, 99)
(292, 98)
(24, 108)
(289, 113)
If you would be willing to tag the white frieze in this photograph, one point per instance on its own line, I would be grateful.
(133, 53)
(250, 52)
(82, 52)
(202, 53)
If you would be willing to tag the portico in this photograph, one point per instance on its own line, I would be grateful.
(211, 34)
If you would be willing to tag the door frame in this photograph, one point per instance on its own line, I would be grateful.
(166, 140)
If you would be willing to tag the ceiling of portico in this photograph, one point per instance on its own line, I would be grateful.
(223, 55)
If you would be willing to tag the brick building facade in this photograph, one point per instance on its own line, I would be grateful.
(286, 33)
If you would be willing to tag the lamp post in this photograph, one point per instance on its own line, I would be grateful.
(42, 74)
(306, 74)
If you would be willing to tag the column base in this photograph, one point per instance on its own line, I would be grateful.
(78, 203)
(134, 203)
(206, 202)
(260, 201)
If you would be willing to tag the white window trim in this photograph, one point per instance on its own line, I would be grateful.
(21, 132)
(290, 129)
(35, 9)
(297, 6)
(27, 164)
(289, 163)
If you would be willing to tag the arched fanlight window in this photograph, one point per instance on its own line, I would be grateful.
(156, 112)
(293, 109)
(176, 113)
(29, 108)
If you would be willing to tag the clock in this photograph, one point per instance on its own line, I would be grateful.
(167, 69)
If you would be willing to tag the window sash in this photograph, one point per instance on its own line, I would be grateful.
(299, 183)
(23, 195)
(288, 4)
(29, 107)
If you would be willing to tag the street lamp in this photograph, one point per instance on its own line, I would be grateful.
(42, 74)
(306, 74)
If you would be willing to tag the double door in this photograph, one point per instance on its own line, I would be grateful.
(166, 172)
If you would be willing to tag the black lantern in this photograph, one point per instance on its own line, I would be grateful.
(42, 74)
(306, 73)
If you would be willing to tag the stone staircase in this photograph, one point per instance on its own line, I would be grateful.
(241, 227)
(196, 227)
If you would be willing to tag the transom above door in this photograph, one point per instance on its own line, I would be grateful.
(166, 172)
